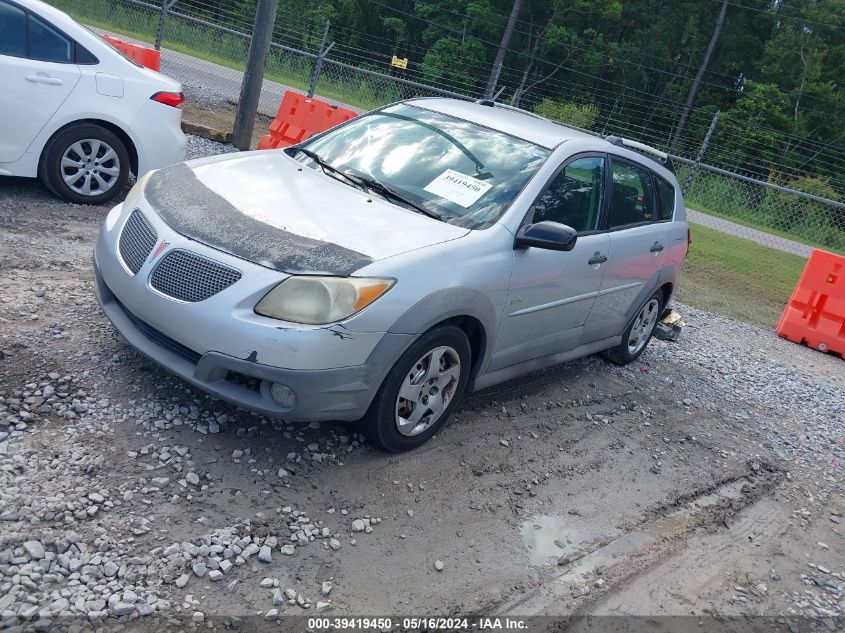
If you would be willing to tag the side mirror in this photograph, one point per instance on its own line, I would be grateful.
(548, 235)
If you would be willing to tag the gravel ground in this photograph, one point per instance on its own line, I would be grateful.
(199, 147)
(704, 479)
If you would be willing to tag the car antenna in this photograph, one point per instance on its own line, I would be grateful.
(490, 103)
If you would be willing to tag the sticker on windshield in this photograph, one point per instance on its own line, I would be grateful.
(458, 188)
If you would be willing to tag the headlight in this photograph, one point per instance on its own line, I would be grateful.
(320, 300)
(137, 191)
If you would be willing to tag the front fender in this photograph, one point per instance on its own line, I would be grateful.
(450, 303)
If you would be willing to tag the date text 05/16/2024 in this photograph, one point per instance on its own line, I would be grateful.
(418, 624)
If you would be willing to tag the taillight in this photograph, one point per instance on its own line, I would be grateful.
(172, 99)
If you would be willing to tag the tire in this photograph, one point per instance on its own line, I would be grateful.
(95, 155)
(626, 352)
(381, 424)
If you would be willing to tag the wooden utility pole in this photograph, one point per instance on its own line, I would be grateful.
(696, 82)
(259, 45)
(503, 49)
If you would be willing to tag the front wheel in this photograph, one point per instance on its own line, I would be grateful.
(638, 333)
(420, 391)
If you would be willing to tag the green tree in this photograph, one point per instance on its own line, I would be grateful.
(449, 63)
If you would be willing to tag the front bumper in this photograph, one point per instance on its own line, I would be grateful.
(321, 394)
(222, 347)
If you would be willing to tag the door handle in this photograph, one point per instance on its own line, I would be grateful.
(44, 79)
(656, 247)
(597, 258)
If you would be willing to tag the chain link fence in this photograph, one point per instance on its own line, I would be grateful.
(791, 221)
(771, 200)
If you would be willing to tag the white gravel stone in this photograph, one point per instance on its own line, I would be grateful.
(123, 608)
(159, 482)
(34, 549)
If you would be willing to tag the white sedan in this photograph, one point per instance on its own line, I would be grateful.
(77, 113)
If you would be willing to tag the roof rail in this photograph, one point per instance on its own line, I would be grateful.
(504, 106)
(651, 152)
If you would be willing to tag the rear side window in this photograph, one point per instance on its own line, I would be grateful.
(666, 196)
(12, 30)
(47, 44)
(633, 199)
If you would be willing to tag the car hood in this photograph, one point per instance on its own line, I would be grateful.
(267, 208)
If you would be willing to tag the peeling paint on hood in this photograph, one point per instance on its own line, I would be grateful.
(267, 208)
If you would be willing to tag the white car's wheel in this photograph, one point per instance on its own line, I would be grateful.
(85, 163)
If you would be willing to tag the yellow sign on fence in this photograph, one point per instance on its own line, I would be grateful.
(399, 63)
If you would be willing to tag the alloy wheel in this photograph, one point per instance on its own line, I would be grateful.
(427, 390)
(643, 326)
(90, 167)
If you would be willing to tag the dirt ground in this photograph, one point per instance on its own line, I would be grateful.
(705, 479)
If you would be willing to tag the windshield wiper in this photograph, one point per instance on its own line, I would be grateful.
(326, 167)
(368, 183)
(387, 192)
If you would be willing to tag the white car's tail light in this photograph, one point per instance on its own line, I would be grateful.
(172, 99)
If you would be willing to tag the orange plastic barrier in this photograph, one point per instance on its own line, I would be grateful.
(147, 57)
(299, 118)
(815, 314)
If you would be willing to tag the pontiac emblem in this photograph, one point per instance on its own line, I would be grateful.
(159, 249)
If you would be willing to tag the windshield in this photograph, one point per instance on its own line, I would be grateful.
(456, 170)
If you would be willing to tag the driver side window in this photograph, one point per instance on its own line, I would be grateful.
(574, 196)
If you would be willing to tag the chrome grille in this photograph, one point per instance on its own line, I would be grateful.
(136, 241)
(190, 277)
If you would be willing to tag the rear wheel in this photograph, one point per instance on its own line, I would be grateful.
(85, 163)
(638, 333)
(418, 395)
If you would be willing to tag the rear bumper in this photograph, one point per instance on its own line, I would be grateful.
(159, 139)
(321, 394)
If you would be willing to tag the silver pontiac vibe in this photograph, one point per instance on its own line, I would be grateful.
(381, 269)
